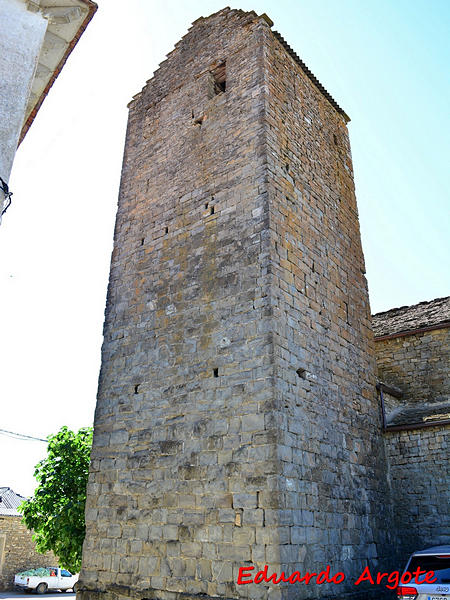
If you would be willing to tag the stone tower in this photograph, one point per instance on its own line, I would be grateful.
(237, 422)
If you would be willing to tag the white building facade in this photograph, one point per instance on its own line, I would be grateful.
(37, 37)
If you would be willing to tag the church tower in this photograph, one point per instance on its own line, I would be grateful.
(237, 423)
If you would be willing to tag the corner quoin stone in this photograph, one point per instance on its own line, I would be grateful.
(237, 420)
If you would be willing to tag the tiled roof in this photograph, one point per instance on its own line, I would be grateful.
(9, 501)
(425, 315)
(419, 415)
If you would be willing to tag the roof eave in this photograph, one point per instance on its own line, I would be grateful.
(92, 8)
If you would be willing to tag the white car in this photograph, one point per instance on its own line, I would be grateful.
(436, 559)
(44, 579)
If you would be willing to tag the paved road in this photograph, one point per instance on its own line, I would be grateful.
(17, 595)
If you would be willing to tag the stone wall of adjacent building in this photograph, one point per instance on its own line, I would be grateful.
(237, 422)
(418, 364)
(17, 551)
(420, 481)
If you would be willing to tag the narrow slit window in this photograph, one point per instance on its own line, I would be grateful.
(219, 79)
(216, 372)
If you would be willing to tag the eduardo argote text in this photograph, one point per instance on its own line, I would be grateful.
(391, 580)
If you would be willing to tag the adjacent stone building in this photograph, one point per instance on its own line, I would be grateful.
(413, 358)
(238, 422)
(17, 549)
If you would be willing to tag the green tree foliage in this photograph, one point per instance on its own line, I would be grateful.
(56, 512)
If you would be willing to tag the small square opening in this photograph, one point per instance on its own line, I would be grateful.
(301, 373)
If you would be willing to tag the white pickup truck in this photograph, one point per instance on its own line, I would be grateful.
(43, 579)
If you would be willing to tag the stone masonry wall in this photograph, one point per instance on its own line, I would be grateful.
(17, 551)
(236, 263)
(417, 364)
(420, 482)
(418, 458)
(184, 453)
(333, 490)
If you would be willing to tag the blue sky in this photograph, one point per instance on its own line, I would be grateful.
(385, 62)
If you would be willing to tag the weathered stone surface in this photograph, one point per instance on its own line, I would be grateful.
(417, 362)
(420, 482)
(237, 421)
